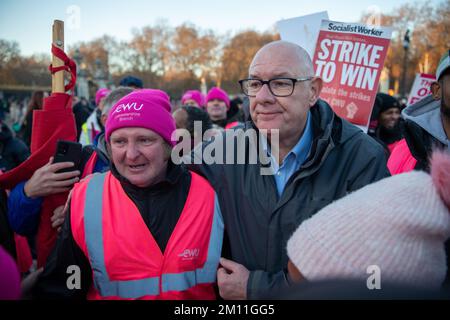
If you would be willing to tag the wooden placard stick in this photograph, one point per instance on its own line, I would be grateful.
(58, 41)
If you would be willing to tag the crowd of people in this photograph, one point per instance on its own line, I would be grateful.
(334, 206)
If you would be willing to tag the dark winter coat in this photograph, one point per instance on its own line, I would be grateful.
(12, 150)
(259, 223)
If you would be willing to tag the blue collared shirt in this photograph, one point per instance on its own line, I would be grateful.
(293, 160)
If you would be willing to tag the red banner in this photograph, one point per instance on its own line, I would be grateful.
(349, 57)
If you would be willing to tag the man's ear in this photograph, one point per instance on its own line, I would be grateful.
(436, 90)
(316, 89)
(167, 151)
(108, 150)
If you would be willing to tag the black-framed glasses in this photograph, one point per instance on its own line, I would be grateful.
(279, 87)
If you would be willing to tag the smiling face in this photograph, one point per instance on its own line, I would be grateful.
(287, 114)
(140, 155)
(389, 118)
(217, 109)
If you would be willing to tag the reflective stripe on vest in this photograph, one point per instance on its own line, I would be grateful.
(185, 280)
(132, 289)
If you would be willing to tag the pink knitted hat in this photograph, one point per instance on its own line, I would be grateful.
(398, 224)
(101, 93)
(146, 108)
(195, 95)
(217, 93)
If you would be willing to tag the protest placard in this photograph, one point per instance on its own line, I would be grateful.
(302, 30)
(349, 57)
(421, 87)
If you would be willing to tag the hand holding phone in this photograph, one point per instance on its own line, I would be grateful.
(68, 151)
(46, 181)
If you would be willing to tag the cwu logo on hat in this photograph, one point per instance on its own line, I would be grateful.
(128, 107)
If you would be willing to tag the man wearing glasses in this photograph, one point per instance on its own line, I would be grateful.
(320, 158)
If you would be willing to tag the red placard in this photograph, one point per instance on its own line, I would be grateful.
(421, 87)
(349, 57)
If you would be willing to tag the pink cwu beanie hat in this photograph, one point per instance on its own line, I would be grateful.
(398, 224)
(217, 93)
(195, 95)
(100, 95)
(146, 108)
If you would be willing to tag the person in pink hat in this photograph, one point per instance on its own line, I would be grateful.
(217, 105)
(146, 229)
(93, 126)
(100, 95)
(193, 98)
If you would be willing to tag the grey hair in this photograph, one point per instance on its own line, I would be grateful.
(113, 97)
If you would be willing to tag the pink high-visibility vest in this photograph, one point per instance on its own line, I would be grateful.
(90, 165)
(126, 260)
(401, 160)
(231, 125)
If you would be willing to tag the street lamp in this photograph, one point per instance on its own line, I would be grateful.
(77, 57)
(81, 87)
(99, 74)
(406, 41)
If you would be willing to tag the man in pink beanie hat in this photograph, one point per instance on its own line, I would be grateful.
(135, 115)
(217, 105)
(193, 98)
(100, 95)
(93, 125)
(146, 108)
(395, 227)
(147, 229)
